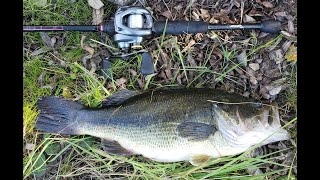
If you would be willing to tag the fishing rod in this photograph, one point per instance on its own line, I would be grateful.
(132, 24)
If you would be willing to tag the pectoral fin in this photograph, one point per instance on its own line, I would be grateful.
(195, 131)
(119, 97)
(113, 147)
(198, 160)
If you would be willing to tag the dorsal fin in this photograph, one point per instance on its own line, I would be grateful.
(119, 97)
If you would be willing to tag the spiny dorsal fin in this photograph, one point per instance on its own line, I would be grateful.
(195, 131)
(113, 147)
(197, 160)
(119, 97)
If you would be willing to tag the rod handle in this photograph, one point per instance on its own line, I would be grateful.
(180, 27)
(270, 26)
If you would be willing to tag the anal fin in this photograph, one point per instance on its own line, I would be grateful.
(114, 148)
(198, 160)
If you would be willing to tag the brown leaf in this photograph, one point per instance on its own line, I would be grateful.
(167, 14)
(168, 73)
(86, 47)
(163, 75)
(267, 4)
(255, 12)
(121, 82)
(133, 72)
(213, 20)
(195, 16)
(204, 14)
(217, 53)
(190, 44)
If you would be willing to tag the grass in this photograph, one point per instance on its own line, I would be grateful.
(59, 71)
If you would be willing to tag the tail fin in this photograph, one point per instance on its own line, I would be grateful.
(57, 115)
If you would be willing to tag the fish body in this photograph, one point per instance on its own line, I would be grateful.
(168, 125)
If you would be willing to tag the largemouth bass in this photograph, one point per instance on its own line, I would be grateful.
(167, 125)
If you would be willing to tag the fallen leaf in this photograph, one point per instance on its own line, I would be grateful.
(273, 90)
(96, 4)
(246, 94)
(248, 19)
(121, 82)
(204, 14)
(178, 7)
(191, 60)
(86, 47)
(195, 16)
(279, 82)
(97, 16)
(255, 12)
(85, 59)
(285, 46)
(40, 78)
(53, 41)
(141, 83)
(167, 14)
(282, 14)
(190, 44)
(213, 20)
(259, 60)
(267, 4)
(93, 67)
(242, 58)
(289, 36)
(290, 27)
(254, 66)
(133, 72)
(46, 39)
(277, 56)
(168, 73)
(39, 51)
(30, 146)
(291, 55)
